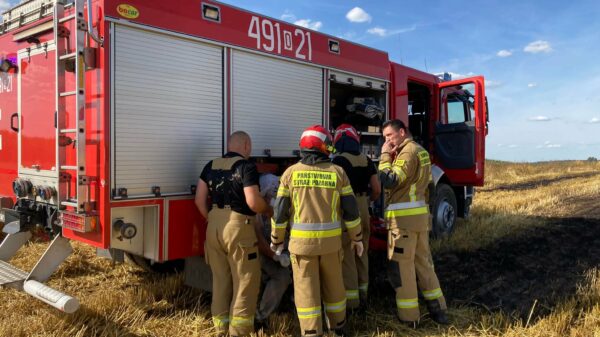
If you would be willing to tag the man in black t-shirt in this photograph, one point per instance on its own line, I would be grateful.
(365, 184)
(231, 244)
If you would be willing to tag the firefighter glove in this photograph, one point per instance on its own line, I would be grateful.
(277, 248)
(358, 247)
(283, 259)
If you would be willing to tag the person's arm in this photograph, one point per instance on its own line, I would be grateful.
(396, 172)
(201, 199)
(281, 213)
(374, 182)
(350, 212)
(256, 203)
(263, 245)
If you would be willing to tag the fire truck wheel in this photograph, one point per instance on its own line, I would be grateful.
(168, 267)
(443, 211)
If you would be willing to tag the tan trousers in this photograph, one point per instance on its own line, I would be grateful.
(315, 277)
(411, 251)
(354, 268)
(232, 253)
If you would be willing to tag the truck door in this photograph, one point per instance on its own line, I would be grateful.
(460, 130)
(37, 129)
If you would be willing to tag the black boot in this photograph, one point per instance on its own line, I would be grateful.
(436, 313)
(341, 332)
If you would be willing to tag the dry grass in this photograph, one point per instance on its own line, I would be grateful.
(121, 300)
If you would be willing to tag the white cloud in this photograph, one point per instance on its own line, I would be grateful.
(288, 16)
(489, 84)
(553, 146)
(532, 85)
(540, 119)
(457, 76)
(548, 145)
(4, 5)
(538, 46)
(504, 53)
(308, 23)
(595, 120)
(513, 146)
(378, 31)
(358, 15)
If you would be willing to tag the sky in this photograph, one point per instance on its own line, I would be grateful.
(540, 59)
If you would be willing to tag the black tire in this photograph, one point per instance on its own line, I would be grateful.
(168, 267)
(444, 211)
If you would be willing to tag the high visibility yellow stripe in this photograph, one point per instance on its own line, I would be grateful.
(352, 294)
(433, 294)
(279, 225)
(363, 287)
(220, 321)
(239, 321)
(384, 166)
(407, 303)
(413, 191)
(312, 312)
(336, 307)
(296, 208)
(334, 202)
(347, 190)
(400, 173)
(283, 192)
(295, 233)
(353, 223)
(424, 158)
(406, 212)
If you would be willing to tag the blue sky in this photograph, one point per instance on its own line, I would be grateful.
(540, 59)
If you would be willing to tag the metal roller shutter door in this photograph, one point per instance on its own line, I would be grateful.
(274, 101)
(168, 111)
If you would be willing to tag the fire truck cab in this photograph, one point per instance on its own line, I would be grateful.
(109, 110)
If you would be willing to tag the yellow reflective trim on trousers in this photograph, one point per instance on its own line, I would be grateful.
(239, 321)
(305, 313)
(351, 294)
(407, 303)
(406, 212)
(334, 202)
(278, 225)
(347, 190)
(336, 307)
(319, 179)
(296, 233)
(433, 294)
(353, 223)
(220, 321)
(384, 166)
(413, 192)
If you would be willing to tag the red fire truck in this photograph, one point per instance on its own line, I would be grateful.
(109, 109)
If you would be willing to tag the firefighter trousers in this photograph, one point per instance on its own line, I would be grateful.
(232, 253)
(410, 251)
(354, 268)
(318, 278)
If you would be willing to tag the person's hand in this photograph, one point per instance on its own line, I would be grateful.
(283, 259)
(388, 147)
(358, 247)
(269, 212)
(277, 248)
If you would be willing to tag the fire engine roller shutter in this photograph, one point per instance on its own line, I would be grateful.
(274, 101)
(168, 111)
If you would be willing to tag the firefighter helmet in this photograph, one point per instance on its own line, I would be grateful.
(316, 138)
(348, 130)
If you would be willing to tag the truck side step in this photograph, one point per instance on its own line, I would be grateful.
(12, 243)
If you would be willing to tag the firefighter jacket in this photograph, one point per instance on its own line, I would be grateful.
(406, 180)
(314, 197)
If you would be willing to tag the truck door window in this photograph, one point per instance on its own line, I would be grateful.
(458, 104)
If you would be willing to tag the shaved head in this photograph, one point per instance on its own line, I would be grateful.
(241, 143)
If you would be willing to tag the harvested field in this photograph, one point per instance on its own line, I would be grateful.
(525, 264)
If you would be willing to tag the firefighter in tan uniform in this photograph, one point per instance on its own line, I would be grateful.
(314, 197)
(366, 186)
(231, 244)
(405, 170)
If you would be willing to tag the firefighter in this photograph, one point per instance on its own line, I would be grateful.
(314, 196)
(363, 176)
(276, 274)
(405, 170)
(231, 244)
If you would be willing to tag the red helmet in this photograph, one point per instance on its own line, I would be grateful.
(316, 138)
(348, 130)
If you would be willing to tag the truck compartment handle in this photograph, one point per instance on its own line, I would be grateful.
(12, 122)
